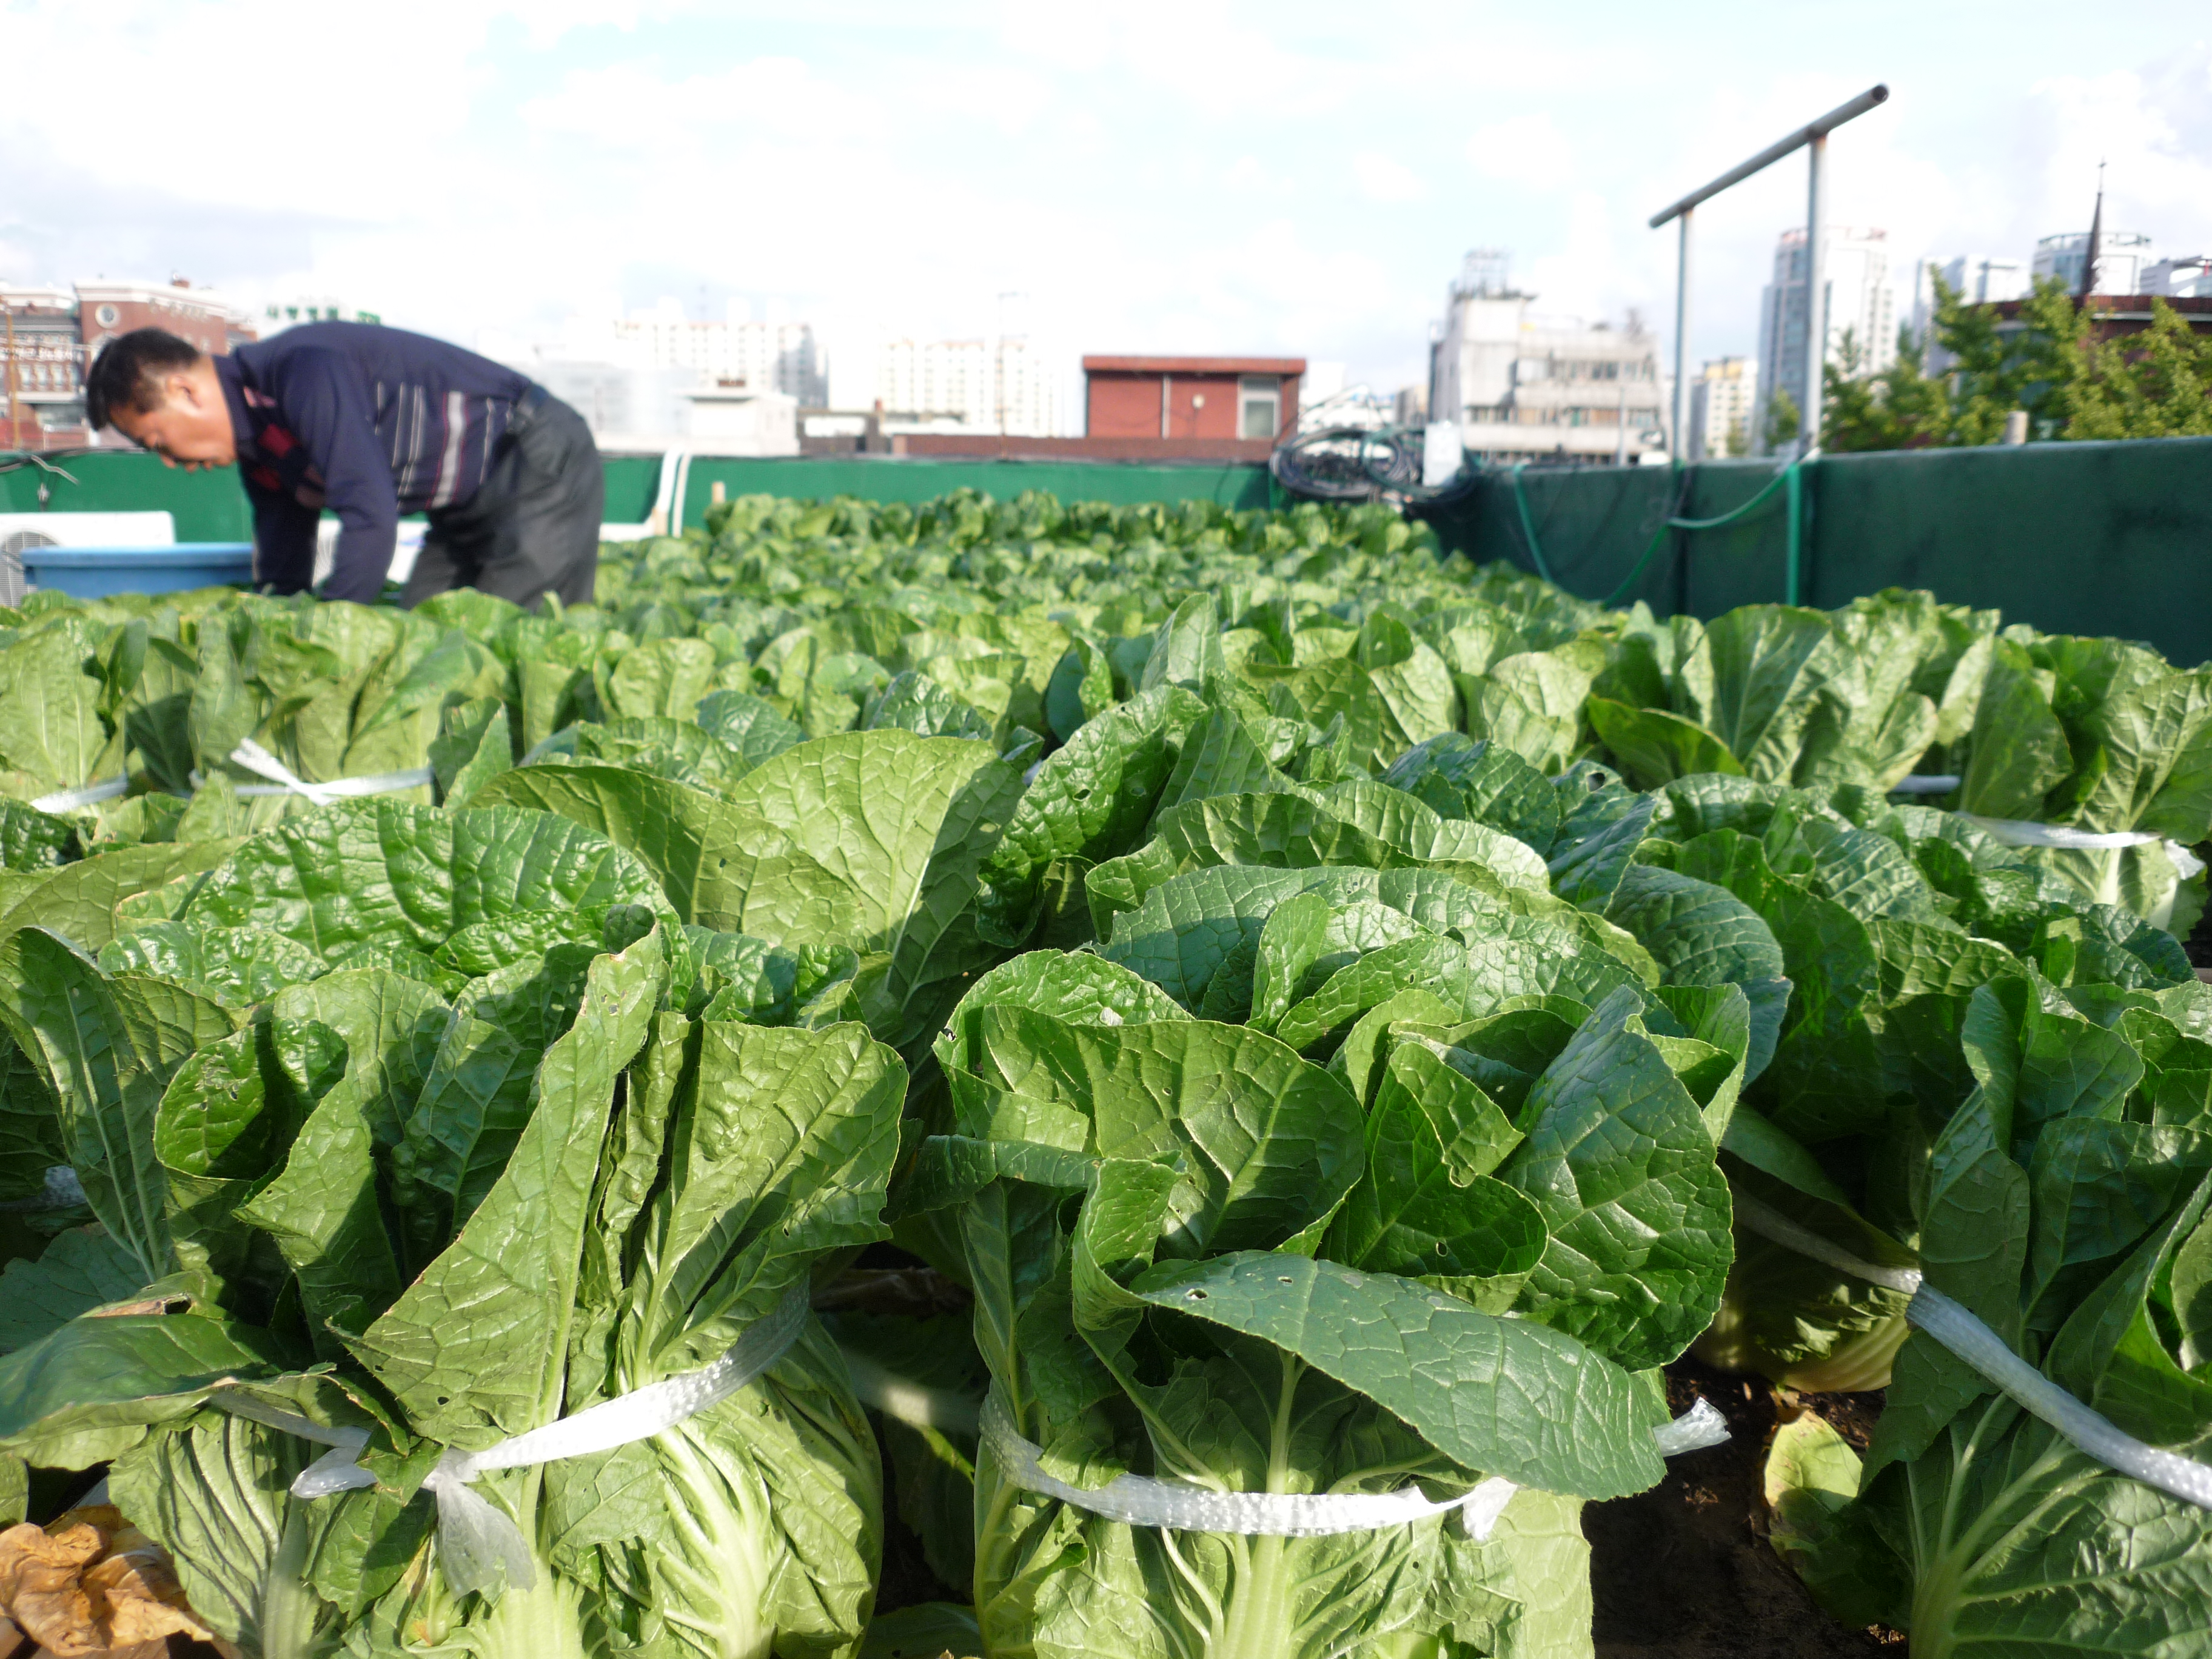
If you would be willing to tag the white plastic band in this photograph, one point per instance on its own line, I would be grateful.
(2018, 832)
(1926, 783)
(479, 1543)
(1137, 1500)
(71, 800)
(1771, 1224)
(284, 781)
(910, 1402)
(1986, 1351)
(1974, 1342)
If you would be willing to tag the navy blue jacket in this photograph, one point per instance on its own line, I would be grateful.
(368, 422)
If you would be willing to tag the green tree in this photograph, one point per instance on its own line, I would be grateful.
(1994, 374)
(1782, 419)
(1900, 408)
(2157, 384)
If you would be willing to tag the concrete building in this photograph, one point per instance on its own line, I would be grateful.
(1136, 409)
(2115, 316)
(1983, 278)
(2181, 279)
(880, 391)
(1978, 278)
(2124, 260)
(1861, 300)
(1252, 400)
(656, 378)
(735, 350)
(44, 368)
(1002, 387)
(106, 309)
(649, 410)
(57, 332)
(741, 421)
(1523, 386)
(1722, 401)
(624, 404)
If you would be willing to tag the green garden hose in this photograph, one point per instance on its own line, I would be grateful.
(1789, 478)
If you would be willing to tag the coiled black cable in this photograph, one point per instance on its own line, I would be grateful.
(1362, 464)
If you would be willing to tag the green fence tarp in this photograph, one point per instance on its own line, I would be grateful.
(633, 486)
(2071, 537)
(206, 506)
(210, 507)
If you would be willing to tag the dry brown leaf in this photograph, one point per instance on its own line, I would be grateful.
(90, 1581)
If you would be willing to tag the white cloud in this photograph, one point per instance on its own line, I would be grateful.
(1385, 178)
(631, 107)
(1520, 148)
(2152, 134)
(1206, 174)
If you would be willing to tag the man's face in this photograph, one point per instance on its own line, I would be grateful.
(190, 427)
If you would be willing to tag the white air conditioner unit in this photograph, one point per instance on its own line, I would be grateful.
(21, 530)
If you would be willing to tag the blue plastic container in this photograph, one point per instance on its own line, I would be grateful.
(97, 573)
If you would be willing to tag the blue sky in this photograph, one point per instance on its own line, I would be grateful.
(1191, 177)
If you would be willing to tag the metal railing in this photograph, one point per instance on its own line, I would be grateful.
(1813, 136)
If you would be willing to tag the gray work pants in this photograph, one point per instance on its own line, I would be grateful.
(533, 527)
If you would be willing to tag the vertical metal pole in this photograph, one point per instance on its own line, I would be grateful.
(1793, 531)
(1816, 297)
(14, 421)
(1682, 342)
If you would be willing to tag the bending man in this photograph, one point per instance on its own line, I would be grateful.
(372, 422)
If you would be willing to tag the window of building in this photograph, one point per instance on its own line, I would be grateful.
(1260, 398)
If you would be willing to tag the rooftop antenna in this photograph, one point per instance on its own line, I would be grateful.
(2096, 235)
(1485, 273)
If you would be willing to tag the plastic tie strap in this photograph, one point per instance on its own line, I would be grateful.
(75, 800)
(2020, 832)
(478, 1543)
(1137, 1500)
(1927, 783)
(284, 781)
(255, 759)
(913, 1403)
(1958, 1330)
(2023, 832)
(335, 1471)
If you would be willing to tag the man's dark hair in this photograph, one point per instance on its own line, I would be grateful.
(128, 372)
